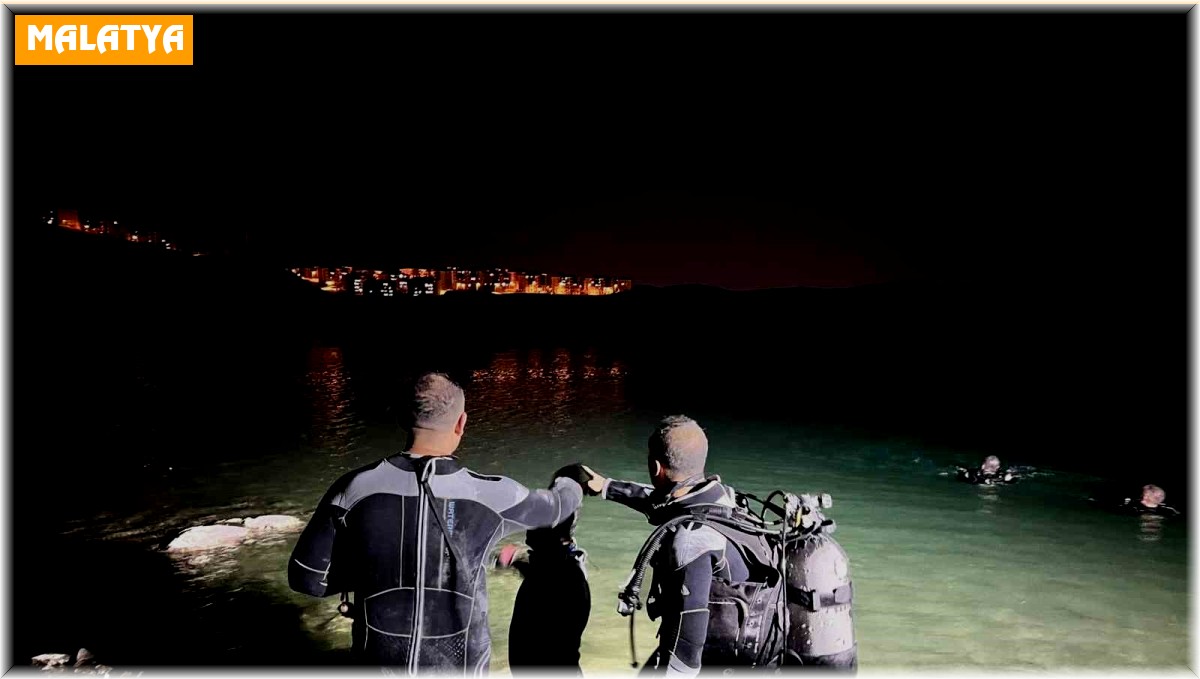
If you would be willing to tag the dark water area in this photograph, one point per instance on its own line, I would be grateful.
(1091, 378)
(154, 391)
(1039, 376)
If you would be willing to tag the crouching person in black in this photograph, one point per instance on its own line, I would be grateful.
(553, 603)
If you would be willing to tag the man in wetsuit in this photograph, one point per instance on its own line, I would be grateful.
(410, 536)
(988, 473)
(1151, 502)
(689, 558)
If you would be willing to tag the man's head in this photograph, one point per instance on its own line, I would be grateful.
(991, 464)
(678, 450)
(1152, 495)
(438, 409)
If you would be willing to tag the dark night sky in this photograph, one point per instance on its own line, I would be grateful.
(741, 150)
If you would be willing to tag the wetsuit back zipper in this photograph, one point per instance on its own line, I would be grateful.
(419, 612)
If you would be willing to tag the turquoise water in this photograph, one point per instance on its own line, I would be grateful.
(947, 576)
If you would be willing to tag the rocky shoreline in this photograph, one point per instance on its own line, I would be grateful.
(232, 532)
(83, 662)
(194, 545)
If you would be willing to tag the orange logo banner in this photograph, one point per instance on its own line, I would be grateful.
(103, 39)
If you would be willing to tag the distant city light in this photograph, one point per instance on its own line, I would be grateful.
(395, 283)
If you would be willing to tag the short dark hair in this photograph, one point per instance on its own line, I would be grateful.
(437, 402)
(680, 445)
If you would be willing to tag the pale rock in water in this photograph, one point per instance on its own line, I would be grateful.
(208, 537)
(83, 657)
(85, 663)
(274, 523)
(200, 538)
(51, 659)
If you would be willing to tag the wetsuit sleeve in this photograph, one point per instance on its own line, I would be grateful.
(681, 641)
(543, 508)
(636, 496)
(308, 569)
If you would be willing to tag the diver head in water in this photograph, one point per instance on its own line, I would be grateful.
(988, 473)
(1152, 496)
(1151, 502)
(678, 450)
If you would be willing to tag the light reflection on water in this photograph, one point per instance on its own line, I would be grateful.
(988, 495)
(945, 572)
(335, 426)
(1150, 527)
(540, 393)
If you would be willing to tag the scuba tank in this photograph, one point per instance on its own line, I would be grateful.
(819, 593)
(801, 615)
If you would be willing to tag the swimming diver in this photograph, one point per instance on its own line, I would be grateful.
(988, 473)
(1151, 502)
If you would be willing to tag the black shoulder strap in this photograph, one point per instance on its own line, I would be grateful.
(748, 544)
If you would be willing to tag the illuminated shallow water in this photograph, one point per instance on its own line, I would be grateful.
(947, 576)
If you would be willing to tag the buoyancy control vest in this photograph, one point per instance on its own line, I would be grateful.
(795, 610)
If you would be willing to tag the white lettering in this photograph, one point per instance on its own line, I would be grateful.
(130, 30)
(40, 35)
(65, 35)
(174, 35)
(107, 39)
(83, 43)
(79, 37)
(151, 36)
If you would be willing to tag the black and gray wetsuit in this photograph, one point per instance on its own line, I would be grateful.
(985, 478)
(409, 536)
(684, 569)
(1131, 506)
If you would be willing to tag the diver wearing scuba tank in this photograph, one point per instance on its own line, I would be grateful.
(692, 556)
(735, 588)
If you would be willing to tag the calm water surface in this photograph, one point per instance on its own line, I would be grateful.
(946, 575)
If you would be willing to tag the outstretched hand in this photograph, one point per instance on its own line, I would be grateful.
(591, 482)
(596, 485)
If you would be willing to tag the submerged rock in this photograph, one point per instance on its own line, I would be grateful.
(51, 659)
(85, 663)
(84, 657)
(208, 537)
(273, 523)
(200, 538)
